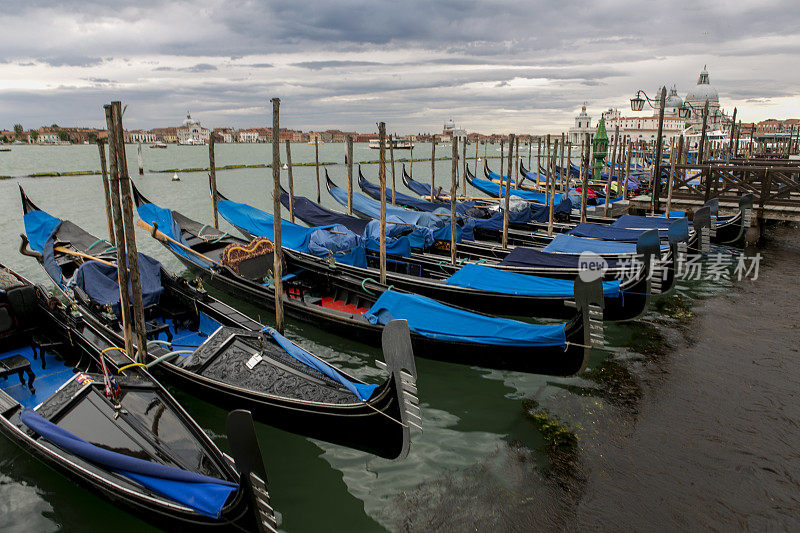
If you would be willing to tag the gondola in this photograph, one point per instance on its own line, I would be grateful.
(473, 286)
(421, 188)
(213, 347)
(438, 331)
(116, 431)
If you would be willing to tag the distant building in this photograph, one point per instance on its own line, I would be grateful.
(641, 128)
(140, 136)
(248, 136)
(697, 96)
(192, 132)
(167, 135)
(47, 136)
(449, 130)
(583, 125)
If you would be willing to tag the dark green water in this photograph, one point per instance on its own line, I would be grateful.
(475, 420)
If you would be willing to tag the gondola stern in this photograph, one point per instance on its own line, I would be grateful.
(249, 462)
(398, 354)
(590, 303)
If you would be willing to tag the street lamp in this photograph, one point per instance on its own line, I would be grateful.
(637, 104)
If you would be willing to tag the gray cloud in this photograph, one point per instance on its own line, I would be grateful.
(319, 65)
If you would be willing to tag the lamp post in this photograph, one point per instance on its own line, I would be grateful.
(637, 104)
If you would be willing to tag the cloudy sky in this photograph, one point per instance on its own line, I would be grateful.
(493, 65)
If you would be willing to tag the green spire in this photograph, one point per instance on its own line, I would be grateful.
(600, 149)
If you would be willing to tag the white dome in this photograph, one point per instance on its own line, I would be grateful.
(450, 125)
(703, 90)
(673, 100)
(189, 120)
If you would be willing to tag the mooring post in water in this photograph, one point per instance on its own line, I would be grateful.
(290, 175)
(627, 171)
(433, 166)
(139, 156)
(569, 167)
(129, 234)
(502, 160)
(464, 167)
(453, 193)
(552, 188)
(561, 163)
(212, 177)
(350, 175)
(391, 157)
(675, 154)
(732, 132)
(530, 150)
(119, 233)
(411, 160)
(316, 164)
(516, 163)
(547, 170)
(475, 168)
(106, 192)
(584, 174)
(507, 191)
(611, 171)
(382, 178)
(277, 264)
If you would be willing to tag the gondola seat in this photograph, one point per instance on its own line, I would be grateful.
(18, 364)
(254, 260)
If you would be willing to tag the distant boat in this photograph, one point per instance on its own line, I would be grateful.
(397, 144)
(175, 177)
(192, 142)
(158, 145)
(318, 141)
(285, 166)
(5, 149)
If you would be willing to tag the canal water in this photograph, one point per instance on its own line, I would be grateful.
(688, 419)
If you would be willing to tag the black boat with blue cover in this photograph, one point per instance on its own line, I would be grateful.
(117, 431)
(221, 355)
(438, 331)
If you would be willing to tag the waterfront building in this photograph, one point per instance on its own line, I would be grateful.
(696, 97)
(192, 132)
(583, 125)
(450, 130)
(140, 136)
(642, 128)
(248, 136)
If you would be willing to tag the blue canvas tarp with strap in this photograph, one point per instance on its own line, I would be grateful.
(441, 322)
(486, 278)
(362, 391)
(569, 244)
(100, 282)
(605, 232)
(409, 201)
(204, 494)
(315, 215)
(643, 223)
(530, 258)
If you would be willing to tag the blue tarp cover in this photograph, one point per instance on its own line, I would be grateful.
(360, 390)
(343, 244)
(206, 495)
(528, 257)
(374, 191)
(494, 189)
(441, 322)
(100, 282)
(643, 223)
(151, 213)
(293, 236)
(486, 278)
(420, 188)
(314, 214)
(569, 244)
(605, 232)
(38, 227)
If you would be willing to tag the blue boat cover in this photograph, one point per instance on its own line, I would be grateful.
(418, 187)
(361, 390)
(38, 227)
(528, 257)
(494, 189)
(204, 494)
(485, 278)
(441, 322)
(293, 236)
(643, 223)
(605, 232)
(100, 282)
(341, 243)
(314, 214)
(569, 244)
(151, 213)
(398, 239)
(374, 191)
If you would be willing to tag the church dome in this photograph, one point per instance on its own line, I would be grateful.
(189, 120)
(450, 125)
(703, 90)
(673, 100)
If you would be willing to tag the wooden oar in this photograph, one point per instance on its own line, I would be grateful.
(158, 235)
(84, 256)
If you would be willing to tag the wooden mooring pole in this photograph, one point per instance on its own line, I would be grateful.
(139, 158)
(611, 171)
(627, 171)
(391, 157)
(507, 192)
(552, 186)
(106, 191)
(433, 167)
(516, 163)
(350, 175)
(316, 164)
(277, 264)
(290, 176)
(584, 174)
(453, 193)
(212, 178)
(502, 159)
(126, 222)
(382, 177)
(464, 167)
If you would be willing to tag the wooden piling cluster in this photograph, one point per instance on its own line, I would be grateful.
(121, 210)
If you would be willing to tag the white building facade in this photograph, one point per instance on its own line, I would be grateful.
(192, 132)
(583, 125)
